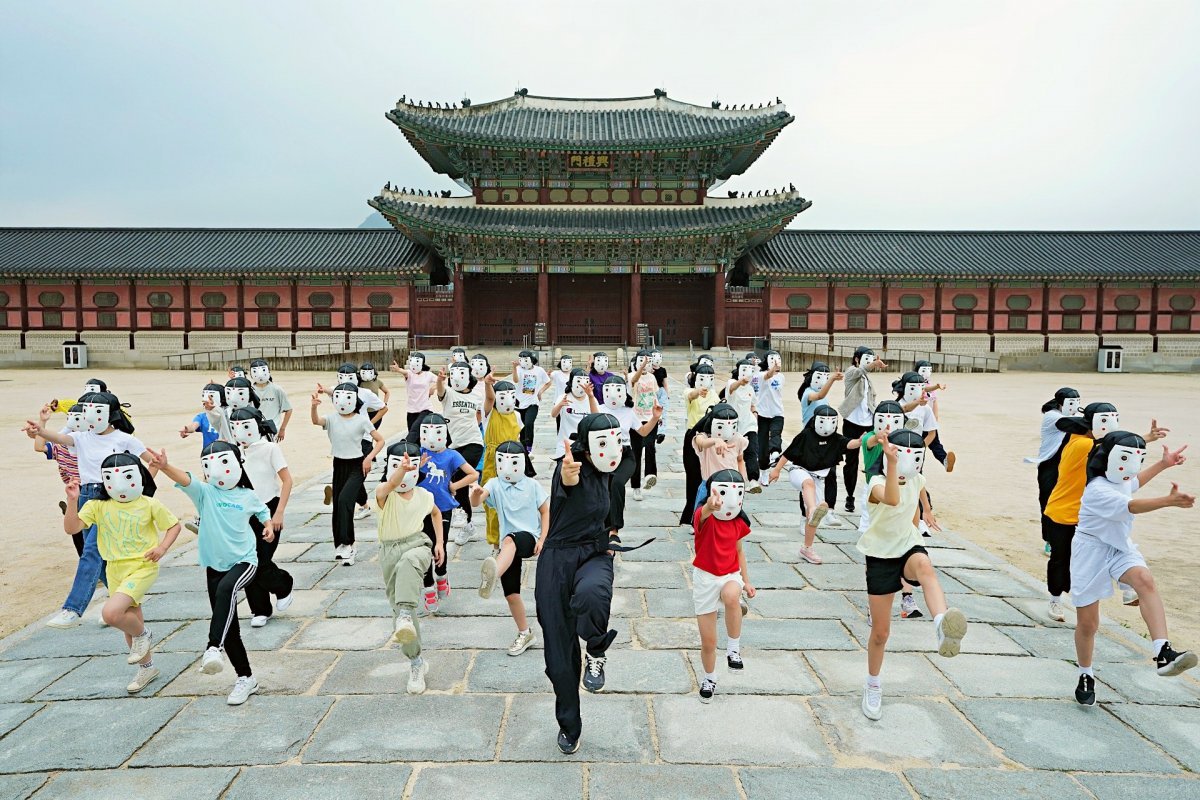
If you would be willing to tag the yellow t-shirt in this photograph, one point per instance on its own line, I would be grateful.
(1063, 505)
(891, 532)
(126, 530)
(401, 519)
(697, 407)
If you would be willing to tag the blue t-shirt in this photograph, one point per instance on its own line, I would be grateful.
(808, 405)
(225, 536)
(438, 474)
(206, 430)
(517, 504)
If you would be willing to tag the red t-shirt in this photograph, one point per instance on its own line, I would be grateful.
(716, 543)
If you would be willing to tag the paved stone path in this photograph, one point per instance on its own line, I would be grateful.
(332, 719)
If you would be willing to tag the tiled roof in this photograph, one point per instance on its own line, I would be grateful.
(625, 124)
(463, 215)
(147, 252)
(981, 254)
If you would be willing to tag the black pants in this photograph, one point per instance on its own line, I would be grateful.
(347, 485)
(367, 447)
(77, 540)
(1058, 568)
(574, 596)
(223, 631)
(644, 444)
(751, 455)
(1047, 477)
(414, 417)
(770, 439)
(270, 579)
(529, 416)
(691, 478)
(511, 579)
(471, 453)
(831, 488)
(433, 566)
(935, 447)
(616, 491)
(850, 468)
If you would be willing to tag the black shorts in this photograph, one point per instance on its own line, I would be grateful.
(884, 574)
(511, 579)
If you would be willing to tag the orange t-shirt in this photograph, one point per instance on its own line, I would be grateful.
(1063, 505)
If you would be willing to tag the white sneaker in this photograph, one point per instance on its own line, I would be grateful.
(339, 552)
(416, 677)
(872, 702)
(285, 602)
(259, 621)
(362, 513)
(63, 619)
(242, 689)
(405, 632)
(458, 518)
(637, 495)
(487, 577)
(193, 524)
(1129, 597)
(140, 647)
(142, 679)
(754, 488)
(348, 558)
(950, 633)
(1056, 611)
(211, 662)
(462, 534)
(649, 482)
(522, 642)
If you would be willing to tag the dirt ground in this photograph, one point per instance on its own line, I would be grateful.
(991, 421)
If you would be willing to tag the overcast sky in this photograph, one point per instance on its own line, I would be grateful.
(955, 114)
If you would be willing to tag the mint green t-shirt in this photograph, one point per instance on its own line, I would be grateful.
(225, 535)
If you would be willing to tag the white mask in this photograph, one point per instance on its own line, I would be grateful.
(525, 362)
(819, 379)
(75, 421)
(433, 437)
(91, 388)
(731, 495)
(885, 421)
(460, 378)
(260, 375)
(704, 381)
(566, 365)
(725, 429)
(95, 417)
(1124, 464)
(1071, 406)
(614, 394)
(506, 402)
(344, 402)
(210, 397)
(578, 385)
(346, 377)
(908, 461)
(238, 373)
(409, 481)
(774, 361)
(1104, 423)
(416, 364)
(912, 391)
(656, 359)
(123, 484)
(704, 360)
(925, 372)
(237, 397)
(479, 368)
(600, 363)
(368, 374)
(245, 431)
(745, 372)
(457, 358)
(639, 362)
(604, 447)
(510, 467)
(825, 426)
(866, 360)
(222, 470)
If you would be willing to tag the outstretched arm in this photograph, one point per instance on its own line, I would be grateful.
(159, 462)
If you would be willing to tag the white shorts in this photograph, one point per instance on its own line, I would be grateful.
(799, 475)
(706, 589)
(1094, 567)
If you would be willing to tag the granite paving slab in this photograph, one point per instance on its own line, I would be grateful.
(363, 575)
(660, 549)
(288, 551)
(992, 784)
(278, 672)
(306, 576)
(788, 634)
(835, 577)
(1037, 608)
(87, 639)
(660, 782)
(649, 575)
(903, 674)
(917, 636)
(13, 714)
(323, 552)
(1123, 787)
(645, 672)
(20, 787)
(320, 782)
(666, 634)
(765, 672)
(107, 676)
(476, 633)
(770, 575)
(345, 634)
(674, 603)
(789, 552)
(193, 637)
(500, 781)
(690, 732)
(361, 603)
(996, 676)
(1141, 683)
(1174, 729)
(807, 604)
(387, 671)
(787, 784)
(168, 783)
(994, 583)
(497, 671)
(1053, 642)
(993, 610)
(21, 680)
(615, 729)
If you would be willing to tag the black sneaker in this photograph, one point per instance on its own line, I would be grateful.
(566, 744)
(593, 673)
(734, 660)
(707, 690)
(850, 505)
(1170, 662)
(662, 437)
(62, 506)
(1085, 692)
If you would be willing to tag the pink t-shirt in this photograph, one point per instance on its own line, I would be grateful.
(710, 462)
(418, 384)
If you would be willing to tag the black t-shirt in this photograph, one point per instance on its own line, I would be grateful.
(813, 452)
(578, 513)
(660, 375)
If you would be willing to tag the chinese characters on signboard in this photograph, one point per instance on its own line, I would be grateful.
(589, 162)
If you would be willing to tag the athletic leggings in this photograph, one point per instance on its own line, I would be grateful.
(471, 454)
(440, 569)
(529, 416)
(692, 480)
(270, 580)
(511, 579)
(223, 631)
(640, 444)
(850, 468)
(1058, 568)
(347, 484)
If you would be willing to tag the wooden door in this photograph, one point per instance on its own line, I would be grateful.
(500, 309)
(589, 309)
(678, 305)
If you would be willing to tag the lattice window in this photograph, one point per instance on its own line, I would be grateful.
(1019, 302)
(911, 302)
(266, 300)
(160, 319)
(798, 321)
(857, 321)
(160, 299)
(1018, 321)
(213, 299)
(105, 299)
(322, 319)
(910, 322)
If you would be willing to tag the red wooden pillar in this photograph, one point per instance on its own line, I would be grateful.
(460, 300)
(25, 311)
(719, 308)
(241, 311)
(187, 312)
(1153, 317)
(294, 294)
(635, 305)
(133, 313)
(346, 316)
(543, 297)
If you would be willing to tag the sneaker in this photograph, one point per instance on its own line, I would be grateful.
(140, 647)
(406, 631)
(872, 702)
(348, 556)
(259, 621)
(637, 495)
(908, 607)
(1170, 662)
(593, 673)
(950, 462)
(566, 745)
(63, 619)
(62, 506)
(649, 482)
(142, 679)
(950, 633)
(362, 513)
(850, 504)
(193, 525)
(431, 601)
(1046, 550)
(818, 514)
(463, 534)
(522, 643)
(487, 577)
(328, 495)
(211, 662)
(242, 689)
(810, 555)
(1085, 692)
(1130, 597)
(707, 689)
(285, 602)
(458, 518)
(443, 588)
(754, 487)
(1056, 611)
(659, 439)
(339, 552)
(734, 660)
(416, 677)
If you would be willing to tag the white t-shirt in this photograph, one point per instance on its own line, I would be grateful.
(371, 403)
(924, 415)
(627, 417)
(92, 448)
(1104, 514)
(272, 402)
(1052, 437)
(218, 418)
(346, 434)
(862, 415)
(569, 416)
(742, 399)
(461, 410)
(558, 379)
(263, 460)
(529, 383)
(770, 395)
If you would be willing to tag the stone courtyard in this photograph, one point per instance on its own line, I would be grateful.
(332, 719)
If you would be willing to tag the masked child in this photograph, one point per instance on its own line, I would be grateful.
(740, 395)
(368, 378)
(212, 397)
(643, 391)
(718, 446)
(64, 457)
(619, 404)
(573, 406)
(700, 397)
(769, 402)
(531, 381)
(418, 384)
(925, 370)
(856, 414)
(461, 396)
(272, 401)
(439, 469)
(664, 394)
(598, 370)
